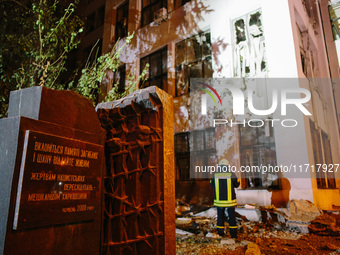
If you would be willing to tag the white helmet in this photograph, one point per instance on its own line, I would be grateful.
(224, 162)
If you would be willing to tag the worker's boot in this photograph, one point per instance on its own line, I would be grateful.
(233, 232)
(220, 230)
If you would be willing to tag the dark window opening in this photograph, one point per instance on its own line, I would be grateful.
(257, 146)
(90, 22)
(302, 52)
(95, 19)
(197, 148)
(100, 15)
(122, 21)
(149, 7)
(182, 156)
(193, 60)
(303, 61)
(92, 52)
(119, 78)
(157, 71)
(179, 3)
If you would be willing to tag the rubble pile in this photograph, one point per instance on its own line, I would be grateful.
(302, 210)
(325, 224)
(291, 230)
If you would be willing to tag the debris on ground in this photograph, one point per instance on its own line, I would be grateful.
(253, 249)
(303, 210)
(183, 232)
(181, 207)
(326, 224)
(292, 230)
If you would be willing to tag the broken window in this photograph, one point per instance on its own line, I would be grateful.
(157, 71)
(149, 7)
(302, 51)
(322, 155)
(334, 13)
(257, 146)
(308, 54)
(122, 20)
(249, 45)
(199, 151)
(193, 60)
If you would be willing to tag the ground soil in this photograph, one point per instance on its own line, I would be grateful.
(274, 238)
(305, 244)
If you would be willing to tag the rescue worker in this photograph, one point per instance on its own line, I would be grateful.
(224, 184)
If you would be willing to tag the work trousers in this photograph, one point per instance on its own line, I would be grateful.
(221, 219)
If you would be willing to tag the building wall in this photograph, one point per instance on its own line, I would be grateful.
(93, 15)
(282, 21)
(323, 100)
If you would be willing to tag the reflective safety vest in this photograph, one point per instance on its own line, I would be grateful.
(224, 185)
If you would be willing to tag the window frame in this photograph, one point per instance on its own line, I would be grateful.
(183, 69)
(244, 66)
(149, 7)
(320, 137)
(182, 155)
(163, 76)
(192, 152)
(121, 72)
(257, 148)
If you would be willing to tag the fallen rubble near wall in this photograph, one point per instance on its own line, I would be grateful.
(275, 228)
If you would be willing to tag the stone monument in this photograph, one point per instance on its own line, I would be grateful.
(51, 164)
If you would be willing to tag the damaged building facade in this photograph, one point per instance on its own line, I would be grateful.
(182, 39)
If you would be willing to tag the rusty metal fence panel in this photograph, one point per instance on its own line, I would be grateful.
(139, 181)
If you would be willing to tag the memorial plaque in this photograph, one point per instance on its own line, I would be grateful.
(59, 181)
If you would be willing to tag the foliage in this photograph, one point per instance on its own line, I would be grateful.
(35, 40)
(114, 93)
(48, 34)
(93, 74)
(48, 60)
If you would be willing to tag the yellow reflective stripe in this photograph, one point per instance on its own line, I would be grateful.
(225, 203)
(220, 227)
(217, 189)
(218, 175)
(232, 226)
(229, 189)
